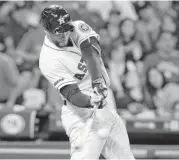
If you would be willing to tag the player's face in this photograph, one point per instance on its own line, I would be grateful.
(61, 39)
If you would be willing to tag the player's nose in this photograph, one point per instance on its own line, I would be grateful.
(62, 35)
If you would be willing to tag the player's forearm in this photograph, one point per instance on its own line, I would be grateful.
(73, 94)
(92, 61)
(91, 56)
(81, 100)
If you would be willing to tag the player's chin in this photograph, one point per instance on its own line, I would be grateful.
(61, 44)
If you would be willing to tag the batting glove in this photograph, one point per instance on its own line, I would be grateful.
(98, 100)
(99, 87)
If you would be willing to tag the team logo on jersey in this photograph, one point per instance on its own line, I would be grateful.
(84, 27)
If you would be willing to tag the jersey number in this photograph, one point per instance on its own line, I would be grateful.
(82, 67)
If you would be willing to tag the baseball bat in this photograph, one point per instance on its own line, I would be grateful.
(88, 125)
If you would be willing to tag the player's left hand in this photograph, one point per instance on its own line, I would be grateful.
(102, 104)
(97, 100)
(100, 88)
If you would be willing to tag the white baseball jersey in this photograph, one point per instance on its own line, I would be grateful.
(64, 66)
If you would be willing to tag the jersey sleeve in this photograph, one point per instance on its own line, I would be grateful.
(83, 31)
(58, 75)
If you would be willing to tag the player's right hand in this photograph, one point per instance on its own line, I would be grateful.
(99, 87)
(98, 100)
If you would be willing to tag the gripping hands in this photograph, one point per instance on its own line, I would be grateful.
(99, 87)
(97, 100)
(100, 93)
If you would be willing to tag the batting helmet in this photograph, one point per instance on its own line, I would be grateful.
(55, 19)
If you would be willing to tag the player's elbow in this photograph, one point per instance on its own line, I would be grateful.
(90, 47)
(86, 49)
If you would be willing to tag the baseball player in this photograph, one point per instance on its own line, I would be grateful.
(70, 59)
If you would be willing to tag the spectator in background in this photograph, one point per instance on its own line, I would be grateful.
(27, 54)
(129, 40)
(15, 13)
(97, 5)
(113, 31)
(113, 25)
(148, 25)
(131, 44)
(93, 18)
(106, 45)
(28, 49)
(125, 7)
(166, 13)
(96, 21)
(162, 73)
(164, 8)
(9, 81)
(114, 17)
(168, 23)
(125, 65)
(175, 5)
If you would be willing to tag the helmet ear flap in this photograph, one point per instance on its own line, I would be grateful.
(45, 24)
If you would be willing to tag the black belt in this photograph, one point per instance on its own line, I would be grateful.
(65, 102)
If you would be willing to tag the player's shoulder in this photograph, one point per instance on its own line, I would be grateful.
(82, 31)
(49, 50)
(49, 64)
(81, 26)
(48, 58)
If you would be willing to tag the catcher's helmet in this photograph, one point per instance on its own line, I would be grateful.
(55, 19)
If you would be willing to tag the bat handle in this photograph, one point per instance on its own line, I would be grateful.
(94, 110)
(95, 107)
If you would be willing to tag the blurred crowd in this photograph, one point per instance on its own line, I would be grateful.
(139, 41)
